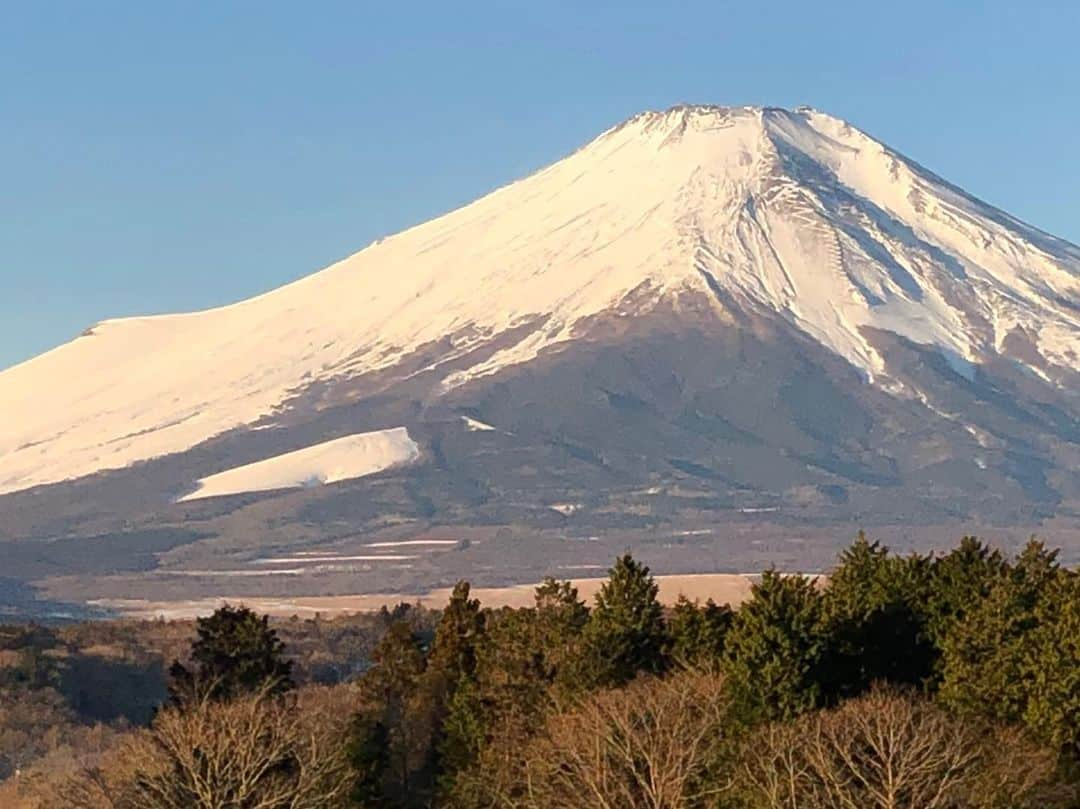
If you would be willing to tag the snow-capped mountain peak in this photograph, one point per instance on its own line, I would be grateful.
(791, 215)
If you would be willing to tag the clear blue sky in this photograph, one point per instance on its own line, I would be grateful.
(168, 156)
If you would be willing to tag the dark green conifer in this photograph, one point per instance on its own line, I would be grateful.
(774, 655)
(990, 664)
(698, 632)
(369, 756)
(625, 634)
(959, 581)
(452, 669)
(389, 742)
(560, 617)
(1051, 666)
(875, 620)
(235, 653)
(453, 652)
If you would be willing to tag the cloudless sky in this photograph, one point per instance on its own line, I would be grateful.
(160, 157)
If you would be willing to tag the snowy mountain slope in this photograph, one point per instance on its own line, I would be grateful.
(347, 458)
(770, 214)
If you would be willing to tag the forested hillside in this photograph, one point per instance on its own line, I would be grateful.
(915, 682)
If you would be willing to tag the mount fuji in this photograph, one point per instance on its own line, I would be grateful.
(728, 335)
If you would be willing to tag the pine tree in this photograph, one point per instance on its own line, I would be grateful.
(625, 633)
(453, 652)
(557, 603)
(396, 665)
(1052, 665)
(505, 696)
(452, 670)
(774, 655)
(559, 622)
(990, 666)
(959, 581)
(235, 653)
(389, 744)
(369, 756)
(875, 620)
(524, 658)
(698, 632)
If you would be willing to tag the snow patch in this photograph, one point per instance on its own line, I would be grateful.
(291, 560)
(401, 542)
(352, 456)
(566, 509)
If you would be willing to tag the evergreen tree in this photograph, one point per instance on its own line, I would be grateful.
(235, 653)
(560, 609)
(453, 652)
(774, 655)
(959, 581)
(452, 669)
(1035, 569)
(875, 621)
(1052, 665)
(396, 665)
(625, 633)
(389, 744)
(698, 632)
(369, 756)
(504, 696)
(524, 658)
(560, 619)
(1007, 651)
(465, 732)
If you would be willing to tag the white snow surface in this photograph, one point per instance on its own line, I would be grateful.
(292, 560)
(402, 542)
(792, 213)
(353, 456)
(474, 426)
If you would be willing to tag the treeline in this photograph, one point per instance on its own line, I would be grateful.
(69, 692)
(910, 682)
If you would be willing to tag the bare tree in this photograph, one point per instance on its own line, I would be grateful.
(892, 750)
(256, 752)
(651, 745)
(1018, 773)
(773, 771)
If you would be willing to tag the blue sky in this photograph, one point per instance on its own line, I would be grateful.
(161, 157)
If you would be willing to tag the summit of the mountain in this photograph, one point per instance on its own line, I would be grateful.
(743, 216)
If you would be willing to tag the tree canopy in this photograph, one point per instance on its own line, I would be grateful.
(235, 653)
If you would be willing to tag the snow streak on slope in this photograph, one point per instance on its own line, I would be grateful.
(793, 214)
(345, 458)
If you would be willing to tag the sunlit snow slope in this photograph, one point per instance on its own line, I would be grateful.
(796, 215)
(352, 456)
